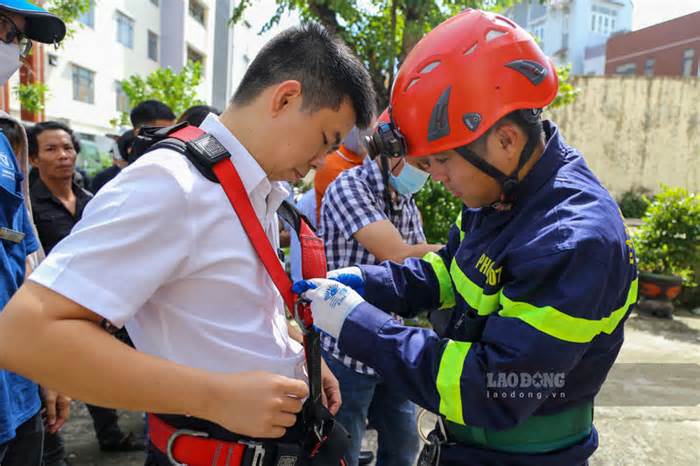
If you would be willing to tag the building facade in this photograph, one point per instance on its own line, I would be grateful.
(572, 31)
(117, 39)
(671, 48)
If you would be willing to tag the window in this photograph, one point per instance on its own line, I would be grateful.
(125, 30)
(603, 20)
(538, 32)
(194, 56)
(88, 18)
(649, 67)
(83, 85)
(198, 12)
(122, 99)
(627, 68)
(152, 45)
(688, 56)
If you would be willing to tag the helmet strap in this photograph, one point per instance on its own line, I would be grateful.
(389, 207)
(509, 183)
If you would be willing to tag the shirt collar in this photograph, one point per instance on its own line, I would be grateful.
(251, 173)
(552, 158)
(40, 191)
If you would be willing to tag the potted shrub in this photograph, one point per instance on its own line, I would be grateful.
(634, 203)
(668, 249)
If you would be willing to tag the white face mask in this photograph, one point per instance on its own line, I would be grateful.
(9, 61)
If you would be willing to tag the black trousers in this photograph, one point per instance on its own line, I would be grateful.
(27, 446)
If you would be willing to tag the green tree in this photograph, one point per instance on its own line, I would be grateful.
(176, 90)
(69, 11)
(381, 32)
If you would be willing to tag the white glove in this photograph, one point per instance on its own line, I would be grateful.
(331, 302)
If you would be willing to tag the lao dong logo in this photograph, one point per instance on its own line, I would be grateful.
(525, 385)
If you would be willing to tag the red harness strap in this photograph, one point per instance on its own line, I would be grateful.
(191, 448)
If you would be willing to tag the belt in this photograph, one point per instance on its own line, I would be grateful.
(536, 434)
(185, 447)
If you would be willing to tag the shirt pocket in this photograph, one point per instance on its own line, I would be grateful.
(10, 209)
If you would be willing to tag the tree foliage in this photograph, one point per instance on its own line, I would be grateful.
(69, 11)
(32, 96)
(177, 90)
(381, 32)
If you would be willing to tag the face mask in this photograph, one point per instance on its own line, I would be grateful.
(409, 181)
(9, 60)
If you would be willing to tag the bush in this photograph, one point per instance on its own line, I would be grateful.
(634, 204)
(668, 242)
(439, 209)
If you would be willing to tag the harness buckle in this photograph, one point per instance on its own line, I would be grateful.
(174, 437)
(258, 451)
(298, 318)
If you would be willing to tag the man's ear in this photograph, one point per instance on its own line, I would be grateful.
(33, 160)
(508, 138)
(284, 96)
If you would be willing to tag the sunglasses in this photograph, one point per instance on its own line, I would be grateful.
(9, 33)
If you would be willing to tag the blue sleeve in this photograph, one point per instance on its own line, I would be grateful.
(551, 312)
(30, 240)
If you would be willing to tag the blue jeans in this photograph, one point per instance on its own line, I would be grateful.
(392, 415)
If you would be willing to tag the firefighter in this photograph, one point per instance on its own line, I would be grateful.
(530, 294)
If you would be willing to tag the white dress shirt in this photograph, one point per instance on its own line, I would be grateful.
(161, 250)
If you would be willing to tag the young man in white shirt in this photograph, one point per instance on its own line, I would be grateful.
(161, 250)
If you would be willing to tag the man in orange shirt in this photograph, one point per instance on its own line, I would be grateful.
(350, 154)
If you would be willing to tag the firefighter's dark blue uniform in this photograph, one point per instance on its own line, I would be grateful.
(535, 299)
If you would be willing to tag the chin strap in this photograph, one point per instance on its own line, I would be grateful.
(509, 183)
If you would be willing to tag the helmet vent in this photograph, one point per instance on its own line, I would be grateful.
(410, 85)
(494, 34)
(471, 49)
(439, 121)
(430, 67)
(502, 21)
(533, 71)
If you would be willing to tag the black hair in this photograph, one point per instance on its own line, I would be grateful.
(12, 132)
(124, 144)
(196, 115)
(149, 111)
(528, 125)
(34, 132)
(325, 66)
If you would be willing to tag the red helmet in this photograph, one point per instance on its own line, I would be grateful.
(464, 76)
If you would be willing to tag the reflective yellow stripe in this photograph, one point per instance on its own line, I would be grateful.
(472, 293)
(448, 383)
(563, 326)
(458, 222)
(447, 294)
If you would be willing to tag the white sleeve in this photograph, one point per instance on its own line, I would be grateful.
(132, 238)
